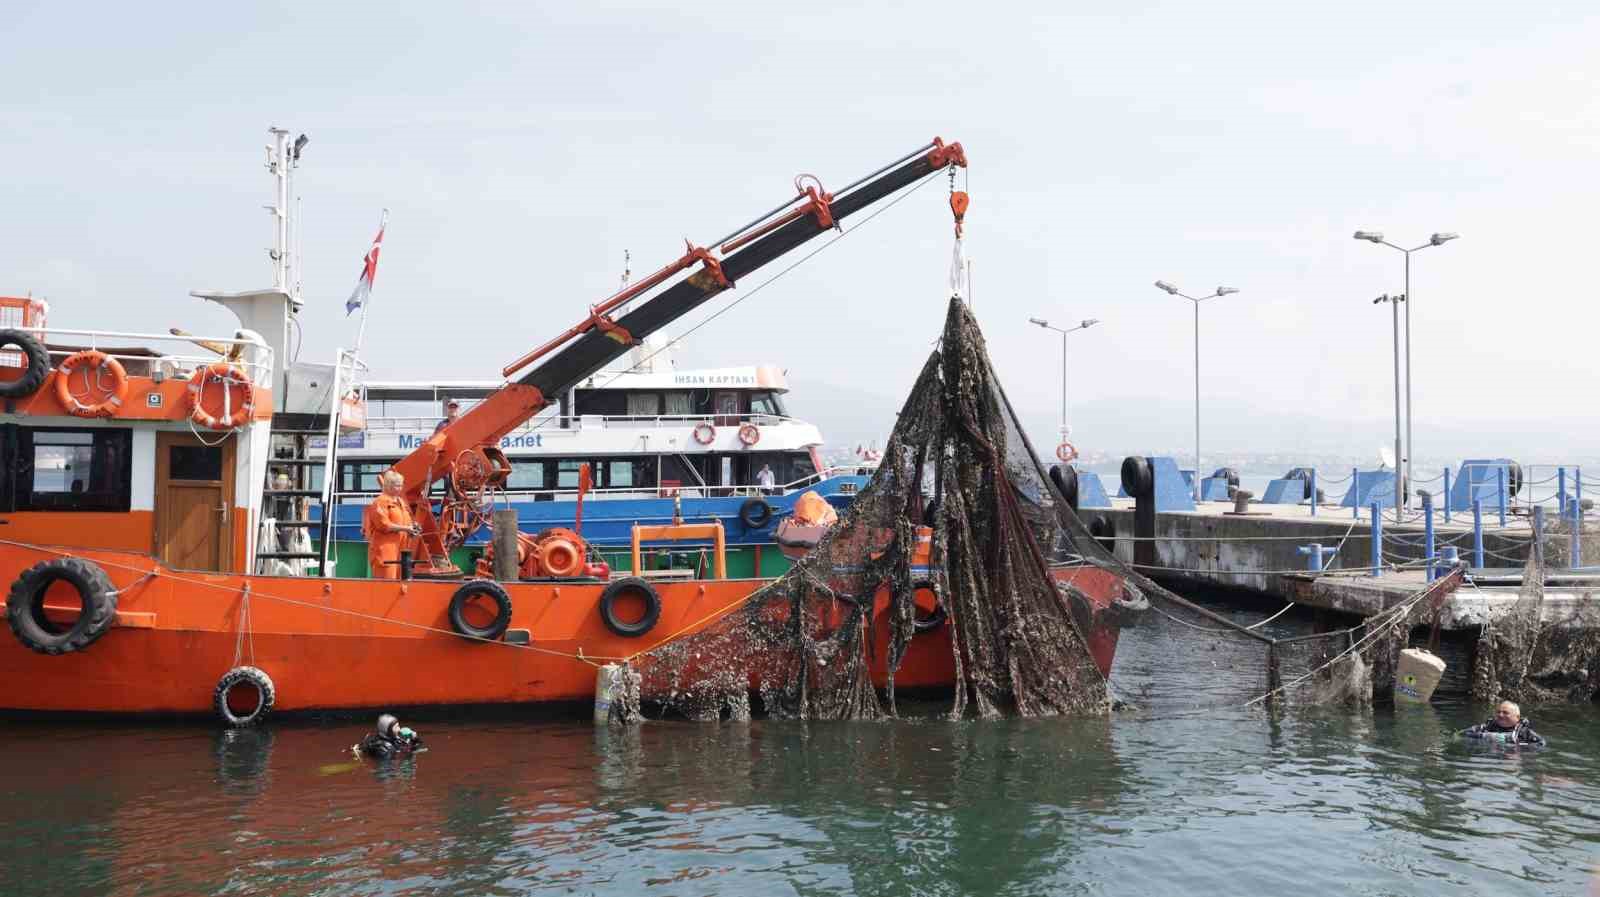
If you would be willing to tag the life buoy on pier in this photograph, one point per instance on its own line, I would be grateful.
(630, 589)
(1066, 453)
(37, 369)
(474, 590)
(704, 433)
(238, 403)
(244, 696)
(95, 366)
(749, 434)
(31, 621)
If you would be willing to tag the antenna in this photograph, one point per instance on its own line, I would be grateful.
(627, 259)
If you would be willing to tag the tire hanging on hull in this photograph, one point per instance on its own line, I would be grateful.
(26, 611)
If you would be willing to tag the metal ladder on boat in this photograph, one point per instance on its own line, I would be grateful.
(287, 499)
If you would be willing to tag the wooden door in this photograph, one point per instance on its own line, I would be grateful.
(194, 502)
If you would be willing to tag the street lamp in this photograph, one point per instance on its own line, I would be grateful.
(1082, 325)
(1438, 239)
(1394, 304)
(1196, 300)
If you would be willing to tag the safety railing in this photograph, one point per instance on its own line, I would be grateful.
(569, 422)
(254, 358)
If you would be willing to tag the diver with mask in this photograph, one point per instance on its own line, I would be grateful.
(389, 739)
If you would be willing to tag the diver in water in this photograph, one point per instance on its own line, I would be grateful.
(389, 740)
(1507, 727)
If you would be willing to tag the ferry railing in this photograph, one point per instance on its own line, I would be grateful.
(570, 423)
(255, 358)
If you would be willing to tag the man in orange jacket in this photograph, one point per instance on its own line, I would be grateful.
(388, 527)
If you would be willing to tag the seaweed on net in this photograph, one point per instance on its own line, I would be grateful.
(1533, 654)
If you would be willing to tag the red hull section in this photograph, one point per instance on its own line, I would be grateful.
(356, 643)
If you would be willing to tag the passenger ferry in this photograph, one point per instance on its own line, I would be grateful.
(661, 442)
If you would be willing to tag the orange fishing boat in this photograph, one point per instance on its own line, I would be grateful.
(150, 558)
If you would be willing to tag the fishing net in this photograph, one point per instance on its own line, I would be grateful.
(961, 527)
(1538, 652)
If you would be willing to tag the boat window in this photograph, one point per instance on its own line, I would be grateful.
(526, 475)
(599, 401)
(194, 462)
(800, 466)
(644, 404)
(73, 470)
(765, 403)
(567, 474)
(680, 404)
(361, 476)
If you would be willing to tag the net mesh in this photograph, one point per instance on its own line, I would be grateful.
(1539, 651)
(959, 475)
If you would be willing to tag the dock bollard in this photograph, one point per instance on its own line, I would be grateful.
(1377, 540)
(605, 685)
(1316, 555)
(1477, 533)
(1449, 559)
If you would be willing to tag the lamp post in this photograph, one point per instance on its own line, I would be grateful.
(1195, 300)
(1438, 239)
(1394, 304)
(1082, 325)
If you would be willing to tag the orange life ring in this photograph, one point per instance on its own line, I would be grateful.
(235, 413)
(749, 434)
(99, 362)
(704, 433)
(1066, 452)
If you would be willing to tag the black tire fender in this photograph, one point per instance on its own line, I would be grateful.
(253, 677)
(625, 586)
(480, 588)
(1137, 479)
(38, 364)
(755, 513)
(1066, 479)
(25, 605)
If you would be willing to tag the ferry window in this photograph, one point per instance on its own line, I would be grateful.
(526, 475)
(361, 476)
(643, 404)
(73, 470)
(567, 474)
(679, 404)
(621, 475)
(600, 401)
(800, 466)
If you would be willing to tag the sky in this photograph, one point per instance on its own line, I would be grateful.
(521, 148)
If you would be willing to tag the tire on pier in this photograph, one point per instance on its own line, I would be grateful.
(38, 365)
(232, 700)
(25, 608)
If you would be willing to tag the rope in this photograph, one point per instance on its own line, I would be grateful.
(1196, 626)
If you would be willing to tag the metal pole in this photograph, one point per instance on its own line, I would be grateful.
(1477, 533)
(1063, 385)
(1447, 495)
(1196, 399)
(1427, 534)
(1575, 554)
(1500, 487)
(1313, 492)
(1561, 490)
(1538, 533)
(1377, 540)
(1355, 493)
(1409, 445)
(1398, 504)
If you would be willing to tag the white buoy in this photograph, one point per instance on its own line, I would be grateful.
(1416, 676)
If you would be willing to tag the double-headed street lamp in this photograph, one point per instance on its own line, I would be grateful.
(1082, 325)
(1439, 239)
(1196, 300)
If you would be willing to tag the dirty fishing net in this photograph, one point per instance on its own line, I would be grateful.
(1005, 558)
(1536, 652)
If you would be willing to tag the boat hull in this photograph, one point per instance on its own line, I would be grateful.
(348, 644)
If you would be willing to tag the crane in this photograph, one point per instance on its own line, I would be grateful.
(467, 451)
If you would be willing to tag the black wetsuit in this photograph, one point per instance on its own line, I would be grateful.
(1521, 733)
(384, 747)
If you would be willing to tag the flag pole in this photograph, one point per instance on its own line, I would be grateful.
(361, 330)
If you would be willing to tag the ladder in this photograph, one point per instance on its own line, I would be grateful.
(287, 500)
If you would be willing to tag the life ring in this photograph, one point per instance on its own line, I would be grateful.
(234, 382)
(480, 588)
(755, 513)
(232, 686)
(749, 434)
(704, 433)
(38, 365)
(92, 360)
(25, 608)
(633, 587)
(1066, 452)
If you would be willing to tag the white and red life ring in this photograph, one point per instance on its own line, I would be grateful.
(749, 434)
(704, 433)
(1066, 452)
(238, 397)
